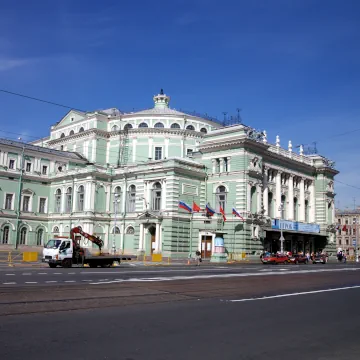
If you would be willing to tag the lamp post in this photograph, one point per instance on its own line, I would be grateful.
(116, 202)
(282, 239)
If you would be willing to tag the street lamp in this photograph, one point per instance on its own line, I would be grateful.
(116, 202)
(282, 239)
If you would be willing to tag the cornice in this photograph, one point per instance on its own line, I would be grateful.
(86, 133)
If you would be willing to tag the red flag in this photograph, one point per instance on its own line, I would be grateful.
(344, 228)
(222, 212)
(196, 207)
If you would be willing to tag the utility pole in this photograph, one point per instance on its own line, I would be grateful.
(116, 201)
(19, 197)
(282, 239)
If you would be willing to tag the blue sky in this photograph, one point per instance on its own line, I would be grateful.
(291, 66)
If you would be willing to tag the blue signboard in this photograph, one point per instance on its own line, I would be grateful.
(219, 241)
(294, 226)
(354, 242)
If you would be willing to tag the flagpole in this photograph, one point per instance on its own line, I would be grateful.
(191, 231)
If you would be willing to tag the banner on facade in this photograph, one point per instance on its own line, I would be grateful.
(294, 226)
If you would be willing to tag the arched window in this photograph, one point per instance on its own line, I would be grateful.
(131, 198)
(62, 135)
(253, 200)
(203, 130)
(117, 199)
(116, 230)
(283, 207)
(175, 126)
(143, 125)
(23, 233)
(159, 125)
(295, 209)
(68, 200)
(56, 230)
(40, 237)
(128, 126)
(115, 128)
(71, 132)
(81, 130)
(221, 197)
(81, 198)
(5, 237)
(156, 197)
(270, 205)
(190, 127)
(58, 200)
(130, 230)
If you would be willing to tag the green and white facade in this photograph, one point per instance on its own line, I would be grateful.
(142, 164)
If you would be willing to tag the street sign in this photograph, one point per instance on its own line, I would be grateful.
(354, 242)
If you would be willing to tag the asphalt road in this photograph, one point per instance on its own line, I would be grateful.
(310, 326)
(25, 277)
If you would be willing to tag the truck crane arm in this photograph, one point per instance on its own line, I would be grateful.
(94, 239)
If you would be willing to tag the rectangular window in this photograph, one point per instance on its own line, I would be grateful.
(354, 231)
(44, 170)
(131, 201)
(28, 167)
(339, 241)
(189, 152)
(42, 205)
(11, 164)
(346, 221)
(81, 202)
(226, 169)
(158, 153)
(354, 221)
(217, 168)
(339, 221)
(9, 201)
(26, 203)
(68, 203)
(347, 241)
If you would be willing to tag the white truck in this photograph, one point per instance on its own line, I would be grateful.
(66, 252)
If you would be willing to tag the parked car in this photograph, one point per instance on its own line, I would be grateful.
(319, 258)
(298, 259)
(275, 259)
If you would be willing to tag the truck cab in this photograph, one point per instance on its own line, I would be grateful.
(58, 252)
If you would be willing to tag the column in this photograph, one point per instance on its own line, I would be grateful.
(123, 199)
(150, 150)
(302, 200)
(87, 203)
(134, 142)
(163, 195)
(182, 147)
(74, 198)
(221, 165)
(108, 198)
(157, 238)
(258, 197)
(213, 165)
(291, 197)
(141, 238)
(93, 155)
(2, 158)
(278, 195)
(62, 206)
(266, 192)
(166, 151)
(333, 213)
(248, 204)
(312, 203)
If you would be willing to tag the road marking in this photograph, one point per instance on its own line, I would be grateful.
(51, 281)
(42, 273)
(86, 280)
(10, 274)
(26, 273)
(298, 294)
(9, 283)
(216, 276)
(71, 273)
(70, 281)
(57, 273)
(145, 271)
(30, 282)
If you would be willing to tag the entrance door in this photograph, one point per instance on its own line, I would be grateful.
(152, 243)
(206, 246)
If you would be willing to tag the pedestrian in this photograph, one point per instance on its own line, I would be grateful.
(344, 257)
(198, 257)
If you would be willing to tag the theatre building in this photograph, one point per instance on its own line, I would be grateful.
(121, 175)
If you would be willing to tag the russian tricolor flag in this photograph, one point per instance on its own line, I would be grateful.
(185, 206)
(234, 211)
(209, 210)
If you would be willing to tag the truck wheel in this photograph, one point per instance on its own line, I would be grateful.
(52, 265)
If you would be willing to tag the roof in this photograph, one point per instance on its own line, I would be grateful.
(159, 111)
(19, 144)
(347, 212)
